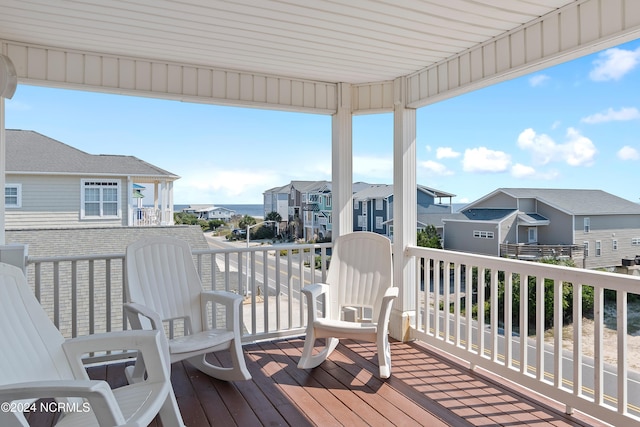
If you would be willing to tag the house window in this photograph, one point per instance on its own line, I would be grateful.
(598, 248)
(483, 234)
(635, 241)
(614, 245)
(13, 195)
(379, 204)
(100, 199)
(329, 218)
(328, 201)
(586, 248)
(379, 223)
(587, 225)
(364, 208)
(362, 221)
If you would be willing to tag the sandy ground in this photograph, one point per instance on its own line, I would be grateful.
(610, 343)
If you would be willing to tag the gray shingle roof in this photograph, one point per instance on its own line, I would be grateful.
(31, 152)
(485, 214)
(576, 201)
(375, 191)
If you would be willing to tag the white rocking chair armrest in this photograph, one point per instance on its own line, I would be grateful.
(133, 310)
(385, 310)
(312, 292)
(150, 344)
(230, 300)
(97, 393)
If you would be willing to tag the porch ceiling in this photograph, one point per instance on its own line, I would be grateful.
(245, 51)
(356, 41)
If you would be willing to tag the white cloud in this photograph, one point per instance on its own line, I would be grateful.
(578, 150)
(369, 167)
(538, 80)
(225, 186)
(628, 153)
(611, 115)
(435, 168)
(522, 171)
(542, 147)
(14, 105)
(482, 159)
(613, 64)
(446, 153)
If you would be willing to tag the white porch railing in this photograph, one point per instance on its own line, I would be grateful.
(85, 294)
(148, 216)
(509, 340)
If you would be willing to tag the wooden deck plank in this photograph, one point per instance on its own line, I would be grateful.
(426, 388)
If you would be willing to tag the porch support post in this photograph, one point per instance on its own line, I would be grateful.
(170, 202)
(404, 212)
(3, 170)
(342, 164)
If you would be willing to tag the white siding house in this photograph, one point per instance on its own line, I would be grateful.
(52, 185)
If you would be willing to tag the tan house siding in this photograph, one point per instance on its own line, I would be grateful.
(560, 228)
(606, 229)
(54, 202)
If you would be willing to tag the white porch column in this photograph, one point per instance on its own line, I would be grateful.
(342, 164)
(8, 84)
(130, 203)
(404, 211)
(3, 169)
(170, 203)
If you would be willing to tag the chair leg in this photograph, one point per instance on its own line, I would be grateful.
(384, 356)
(237, 372)
(170, 413)
(310, 360)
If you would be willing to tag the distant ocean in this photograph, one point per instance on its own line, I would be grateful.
(251, 210)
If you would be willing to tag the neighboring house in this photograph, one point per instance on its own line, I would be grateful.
(316, 218)
(277, 200)
(594, 228)
(309, 207)
(208, 212)
(52, 185)
(373, 208)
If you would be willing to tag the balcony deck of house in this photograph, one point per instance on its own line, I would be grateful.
(426, 388)
(537, 251)
(444, 374)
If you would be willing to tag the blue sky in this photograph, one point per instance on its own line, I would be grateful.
(575, 125)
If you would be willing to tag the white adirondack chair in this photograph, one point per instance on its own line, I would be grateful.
(358, 294)
(162, 285)
(36, 362)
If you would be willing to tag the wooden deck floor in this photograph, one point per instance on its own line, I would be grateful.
(425, 389)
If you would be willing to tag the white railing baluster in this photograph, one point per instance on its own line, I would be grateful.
(508, 316)
(622, 320)
(557, 333)
(74, 298)
(577, 338)
(598, 351)
(524, 323)
(540, 324)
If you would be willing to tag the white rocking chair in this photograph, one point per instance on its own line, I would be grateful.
(37, 363)
(163, 285)
(357, 299)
